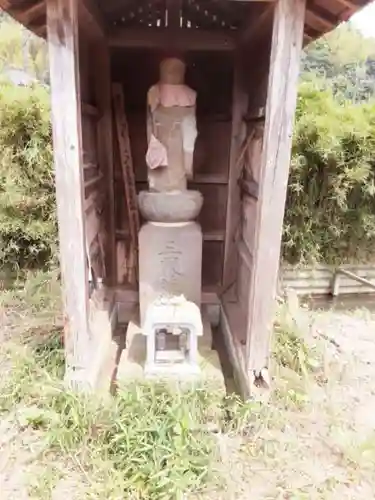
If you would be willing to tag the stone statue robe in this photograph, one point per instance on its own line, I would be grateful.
(171, 131)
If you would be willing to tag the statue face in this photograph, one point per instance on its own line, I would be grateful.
(172, 71)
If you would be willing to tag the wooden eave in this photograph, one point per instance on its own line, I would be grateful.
(226, 17)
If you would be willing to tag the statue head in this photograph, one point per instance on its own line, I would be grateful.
(172, 71)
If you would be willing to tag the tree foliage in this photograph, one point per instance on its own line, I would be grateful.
(330, 211)
(21, 49)
(345, 61)
(27, 198)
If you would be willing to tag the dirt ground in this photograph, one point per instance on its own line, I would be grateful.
(327, 449)
(315, 442)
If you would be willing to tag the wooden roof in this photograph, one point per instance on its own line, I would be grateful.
(208, 15)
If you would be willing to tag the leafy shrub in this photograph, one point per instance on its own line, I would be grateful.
(27, 198)
(330, 209)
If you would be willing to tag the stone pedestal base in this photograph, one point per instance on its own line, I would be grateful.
(179, 317)
(131, 368)
(170, 263)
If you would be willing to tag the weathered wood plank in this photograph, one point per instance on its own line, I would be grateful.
(321, 17)
(182, 39)
(92, 20)
(105, 154)
(231, 322)
(282, 92)
(62, 25)
(240, 101)
(348, 4)
(28, 14)
(209, 179)
(122, 234)
(89, 110)
(257, 26)
(95, 180)
(174, 14)
(125, 294)
(127, 171)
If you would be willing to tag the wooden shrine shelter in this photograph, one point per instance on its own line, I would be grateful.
(243, 60)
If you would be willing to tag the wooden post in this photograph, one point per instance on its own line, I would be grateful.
(62, 29)
(239, 108)
(105, 150)
(286, 49)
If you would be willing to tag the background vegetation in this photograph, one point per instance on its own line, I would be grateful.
(330, 211)
(27, 199)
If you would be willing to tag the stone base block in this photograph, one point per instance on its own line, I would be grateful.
(132, 364)
(170, 262)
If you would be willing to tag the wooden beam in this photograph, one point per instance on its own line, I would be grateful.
(38, 29)
(92, 20)
(103, 92)
(89, 110)
(256, 26)
(348, 4)
(182, 39)
(254, 1)
(320, 16)
(5, 5)
(233, 210)
(281, 102)
(307, 39)
(311, 33)
(174, 14)
(62, 27)
(27, 15)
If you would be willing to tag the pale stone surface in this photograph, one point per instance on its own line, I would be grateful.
(205, 341)
(168, 128)
(177, 206)
(133, 359)
(171, 129)
(170, 263)
(176, 311)
(173, 315)
(125, 311)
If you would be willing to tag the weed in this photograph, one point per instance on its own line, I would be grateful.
(291, 349)
(28, 229)
(154, 437)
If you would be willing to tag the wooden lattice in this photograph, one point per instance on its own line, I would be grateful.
(151, 13)
(212, 14)
(204, 14)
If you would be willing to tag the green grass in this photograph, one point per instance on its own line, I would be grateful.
(154, 438)
(148, 442)
(291, 348)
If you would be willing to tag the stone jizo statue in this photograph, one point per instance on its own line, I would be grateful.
(170, 242)
(171, 129)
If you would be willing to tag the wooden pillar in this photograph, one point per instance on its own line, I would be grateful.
(62, 30)
(286, 50)
(233, 217)
(103, 89)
